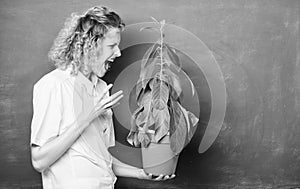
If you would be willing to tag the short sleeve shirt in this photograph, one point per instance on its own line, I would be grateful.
(58, 100)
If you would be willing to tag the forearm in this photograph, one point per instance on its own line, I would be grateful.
(125, 170)
(44, 156)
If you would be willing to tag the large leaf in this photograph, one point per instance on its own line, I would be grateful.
(151, 53)
(149, 73)
(132, 136)
(147, 59)
(162, 123)
(144, 138)
(141, 120)
(160, 94)
(178, 128)
(191, 120)
(173, 57)
(174, 84)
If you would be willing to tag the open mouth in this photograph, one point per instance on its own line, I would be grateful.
(108, 64)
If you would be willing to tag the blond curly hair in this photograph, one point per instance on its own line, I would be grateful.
(79, 37)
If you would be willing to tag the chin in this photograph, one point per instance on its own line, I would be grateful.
(101, 74)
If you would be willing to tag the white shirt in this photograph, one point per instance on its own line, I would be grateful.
(58, 99)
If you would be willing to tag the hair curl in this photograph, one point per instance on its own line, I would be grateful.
(79, 36)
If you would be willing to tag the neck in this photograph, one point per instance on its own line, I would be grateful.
(93, 78)
(90, 76)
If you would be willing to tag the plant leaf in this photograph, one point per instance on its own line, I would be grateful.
(193, 122)
(190, 118)
(190, 81)
(144, 138)
(178, 129)
(149, 57)
(141, 120)
(144, 118)
(173, 57)
(174, 84)
(154, 19)
(149, 28)
(160, 94)
(140, 84)
(131, 137)
(162, 123)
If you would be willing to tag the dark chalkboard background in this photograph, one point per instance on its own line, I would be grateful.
(256, 43)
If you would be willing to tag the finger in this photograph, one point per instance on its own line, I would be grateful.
(105, 91)
(107, 101)
(149, 175)
(113, 101)
(115, 105)
(115, 95)
(166, 177)
(111, 97)
(172, 176)
(100, 108)
(110, 104)
(159, 177)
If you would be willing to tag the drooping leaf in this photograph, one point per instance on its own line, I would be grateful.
(174, 84)
(160, 94)
(144, 138)
(148, 56)
(173, 57)
(154, 56)
(162, 123)
(178, 129)
(191, 120)
(132, 136)
(149, 28)
(141, 120)
(144, 117)
(190, 81)
(150, 71)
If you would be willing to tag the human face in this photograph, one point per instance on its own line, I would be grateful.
(107, 51)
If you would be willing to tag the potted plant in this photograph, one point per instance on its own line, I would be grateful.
(160, 124)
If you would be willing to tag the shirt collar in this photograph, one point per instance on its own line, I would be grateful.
(90, 85)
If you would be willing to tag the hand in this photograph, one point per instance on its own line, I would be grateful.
(104, 103)
(148, 176)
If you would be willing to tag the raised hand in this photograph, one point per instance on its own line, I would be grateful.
(104, 103)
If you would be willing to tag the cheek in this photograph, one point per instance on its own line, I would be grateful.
(107, 52)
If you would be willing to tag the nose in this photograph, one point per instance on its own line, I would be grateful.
(118, 52)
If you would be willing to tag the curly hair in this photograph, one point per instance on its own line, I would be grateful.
(79, 37)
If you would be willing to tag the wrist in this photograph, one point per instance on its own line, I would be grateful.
(81, 125)
(140, 173)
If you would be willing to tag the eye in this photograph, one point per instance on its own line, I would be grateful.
(111, 46)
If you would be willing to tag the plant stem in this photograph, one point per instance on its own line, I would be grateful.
(161, 50)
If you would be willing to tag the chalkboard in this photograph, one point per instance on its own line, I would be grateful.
(256, 45)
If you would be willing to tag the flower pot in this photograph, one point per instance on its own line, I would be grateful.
(158, 158)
